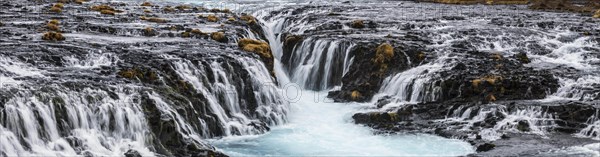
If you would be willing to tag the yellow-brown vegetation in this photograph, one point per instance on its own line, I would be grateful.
(53, 36)
(259, 47)
(355, 95)
(357, 24)
(384, 53)
(218, 36)
(212, 18)
(146, 4)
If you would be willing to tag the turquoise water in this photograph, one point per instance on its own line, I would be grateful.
(319, 127)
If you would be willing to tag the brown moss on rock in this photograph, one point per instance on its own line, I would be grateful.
(197, 32)
(136, 73)
(52, 27)
(59, 5)
(186, 34)
(56, 9)
(384, 53)
(231, 19)
(80, 1)
(149, 31)
(212, 18)
(357, 24)
(261, 48)
(146, 4)
(250, 20)
(218, 36)
(107, 12)
(597, 14)
(355, 95)
(105, 9)
(168, 9)
(183, 7)
(217, 10)
(53, 36)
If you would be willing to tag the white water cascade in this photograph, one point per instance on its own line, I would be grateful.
(317, 125)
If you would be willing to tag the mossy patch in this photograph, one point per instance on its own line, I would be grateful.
(136, 73)
(147, 4)
(357, 24)
(168, 9)
(597, 14)
(59, 5)
(384, 53)
(53, 36)
(212, 18)
(218, 36)
(250, 20)
(490, 79)
(231, 19)
(80, 1)
(355, 95)
(496, 56)
(183, 7)
(105, 9)
(57, 8)
(259, 47)
(52, 27)
(216, 10)
(197, 32)
(186, 34)
(421, 56)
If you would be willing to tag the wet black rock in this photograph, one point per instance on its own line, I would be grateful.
(485, 147)
(132, 153)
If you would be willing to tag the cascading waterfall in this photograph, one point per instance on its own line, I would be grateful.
(593, 127)
(67, 123)
(316, 63)
(223, 98)
(319, 64)
(111, 121)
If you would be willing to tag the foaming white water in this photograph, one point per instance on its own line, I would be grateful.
(413, 85)
(583, 150)
(91, 60)
(577, 89)
(223, 97)
(319, 127)
(593, 128)
(96, 123)
(530, 120)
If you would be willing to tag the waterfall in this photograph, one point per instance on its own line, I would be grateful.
(592, 129)
(65, 123)
(316, 63)
(84, 118)
(319, 64)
